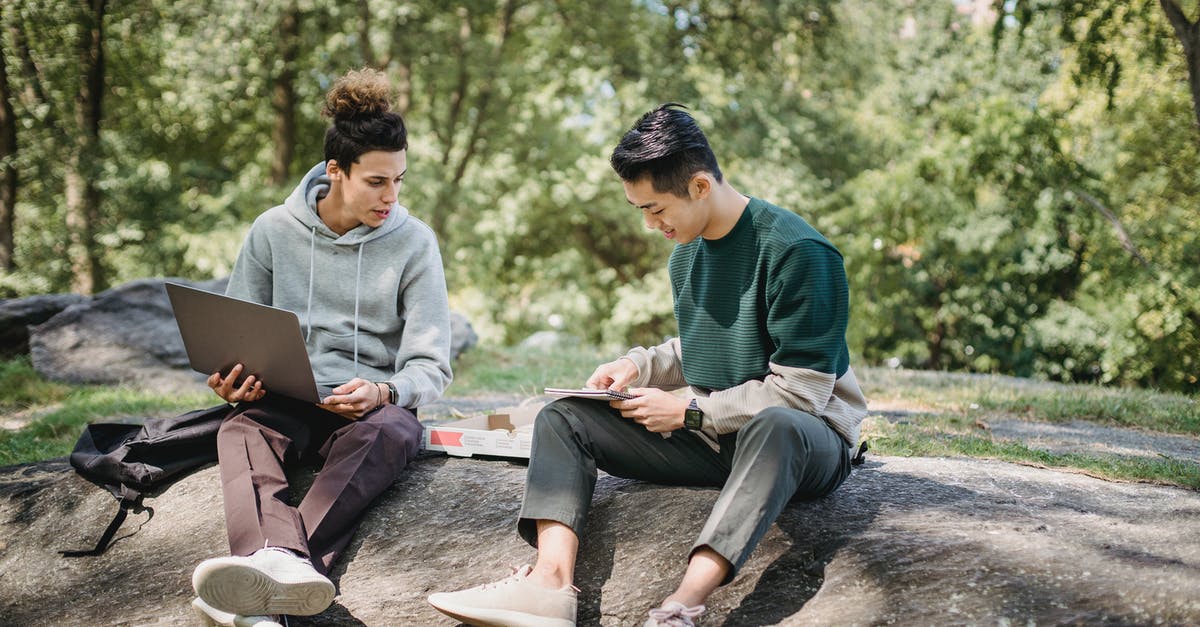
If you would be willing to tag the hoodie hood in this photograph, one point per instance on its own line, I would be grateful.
(302, 205)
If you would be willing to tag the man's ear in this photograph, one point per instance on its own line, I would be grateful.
(332, 170)
(700, 186)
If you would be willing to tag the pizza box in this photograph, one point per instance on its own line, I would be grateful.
(506, 432)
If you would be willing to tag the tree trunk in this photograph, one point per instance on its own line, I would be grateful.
(364, 34)
(283, 96)
(441, 210)
(8, 167)
(933, 342)
(83, 195)
(1188, 33)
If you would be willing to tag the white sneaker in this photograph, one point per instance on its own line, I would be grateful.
(271, 581)
(214, 617)
(510, 602)
(674, 614)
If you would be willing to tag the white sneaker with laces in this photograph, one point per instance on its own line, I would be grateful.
(674, 614)
(511, 602)
(214, 617)
(271, 581)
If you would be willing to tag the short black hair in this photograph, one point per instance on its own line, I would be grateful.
(667, 145)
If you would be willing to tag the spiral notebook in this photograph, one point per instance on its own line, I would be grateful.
(603, 395)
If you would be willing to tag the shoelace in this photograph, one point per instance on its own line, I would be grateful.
(676, 615)
(507, 580)
(517, 575)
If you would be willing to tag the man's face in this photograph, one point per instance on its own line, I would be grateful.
(370, 190)
(679, 219)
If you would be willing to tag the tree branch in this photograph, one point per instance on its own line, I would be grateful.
(485, 92)
(459, 95)
(1122, 234)
(1189, 310)
(34, 92)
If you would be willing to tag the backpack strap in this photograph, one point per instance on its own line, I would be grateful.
(861, 456)
(130, 500)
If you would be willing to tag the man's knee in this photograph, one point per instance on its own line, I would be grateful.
(555, 418)
(395, 427)
(234, 427)
(781, 426)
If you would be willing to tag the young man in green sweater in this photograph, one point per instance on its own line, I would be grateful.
(770, 410)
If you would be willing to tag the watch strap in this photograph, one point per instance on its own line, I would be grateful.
(693, 417)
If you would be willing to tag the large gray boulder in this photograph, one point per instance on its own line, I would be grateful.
(125, 334)
(906, 540)
(18, 314)
(462, 335)
(128, 335)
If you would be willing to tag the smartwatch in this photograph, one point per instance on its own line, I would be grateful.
(693, 418)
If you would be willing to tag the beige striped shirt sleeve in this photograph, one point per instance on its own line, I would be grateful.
(839, 401)
(658, 366)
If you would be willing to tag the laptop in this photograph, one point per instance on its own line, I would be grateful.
(219, 331)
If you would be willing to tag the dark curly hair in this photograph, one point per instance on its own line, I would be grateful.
(360, 105)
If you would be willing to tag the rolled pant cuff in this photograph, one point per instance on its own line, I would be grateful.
(730, 554)
(527, 523)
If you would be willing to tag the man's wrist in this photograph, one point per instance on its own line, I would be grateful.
(390, 394)
(693, 417)
(380, 395)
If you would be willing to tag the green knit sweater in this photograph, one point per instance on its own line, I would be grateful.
(772, 290)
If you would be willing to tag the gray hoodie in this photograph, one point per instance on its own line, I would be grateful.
(372, 303)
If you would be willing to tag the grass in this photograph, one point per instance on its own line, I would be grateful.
(942, 410)
(1035, 400)
(929, 435)
(484, 370)
(60, 411)
(951, 407)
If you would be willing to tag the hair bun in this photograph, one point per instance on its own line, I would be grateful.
(358, 93)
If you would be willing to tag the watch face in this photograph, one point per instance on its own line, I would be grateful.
(692, 418)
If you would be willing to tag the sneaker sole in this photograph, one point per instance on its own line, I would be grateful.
(242, 589)
(209, 621)
(487, 617)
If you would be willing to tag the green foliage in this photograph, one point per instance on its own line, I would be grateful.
(1013, 191)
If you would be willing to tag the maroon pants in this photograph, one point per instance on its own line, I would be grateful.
(358, 460)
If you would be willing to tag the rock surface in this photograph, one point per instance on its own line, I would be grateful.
(905, 540)
(18, 314)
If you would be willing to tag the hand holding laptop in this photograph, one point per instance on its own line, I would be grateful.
(353, 399)
(251, 388)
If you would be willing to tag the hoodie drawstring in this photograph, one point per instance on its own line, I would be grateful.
(357, 281)
(312, 262)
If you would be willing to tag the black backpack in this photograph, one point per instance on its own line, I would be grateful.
(136, 461)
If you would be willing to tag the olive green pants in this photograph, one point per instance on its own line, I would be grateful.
(779, 455)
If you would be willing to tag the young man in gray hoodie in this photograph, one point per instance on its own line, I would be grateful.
(366, 280)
